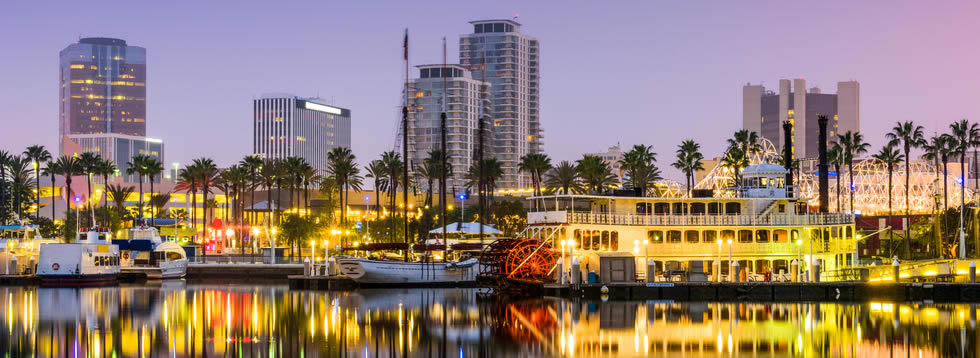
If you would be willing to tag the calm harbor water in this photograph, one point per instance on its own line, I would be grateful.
(176, 319)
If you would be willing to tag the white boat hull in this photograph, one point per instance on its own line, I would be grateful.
(394, 272)
(78, 262)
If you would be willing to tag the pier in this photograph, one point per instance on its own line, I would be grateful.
(772, 292)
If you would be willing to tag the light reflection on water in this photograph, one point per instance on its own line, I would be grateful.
(179, 320)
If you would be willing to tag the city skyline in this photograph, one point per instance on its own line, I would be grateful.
(637, 79)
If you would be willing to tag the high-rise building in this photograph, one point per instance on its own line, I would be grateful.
(425, 98)
(118, 148)
(103, 88)
(285, 125)
(764, 112)
(512, 69)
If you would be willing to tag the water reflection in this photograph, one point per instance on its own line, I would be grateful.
(179, 320)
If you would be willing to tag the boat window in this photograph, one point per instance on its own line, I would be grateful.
(733, 208)
(655, 236)
(779, 236)
(850, 232)
(727, 235)
(661, 208)
(643, 208)
(614, 241)
(710, 236)
(692, 236)
(605, 240)
(172, 256)
(674, 236)
(794, 235)
(596, 242)
(745, 236)
(697, 208)
(764, 182)
(679, 209)
(713, 208)
(578, 239)
(762, 236)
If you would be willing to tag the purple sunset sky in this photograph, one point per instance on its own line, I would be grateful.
(654, 72)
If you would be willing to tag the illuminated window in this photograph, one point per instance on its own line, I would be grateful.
(77, 66)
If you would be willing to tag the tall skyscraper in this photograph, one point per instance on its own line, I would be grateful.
(512, 69)
(103, 101)
(425, 98)
(285, 125)
(765, 111)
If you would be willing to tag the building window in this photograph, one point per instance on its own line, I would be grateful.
(674, 236)
(745, 236)
(692, 236)
(655, 236)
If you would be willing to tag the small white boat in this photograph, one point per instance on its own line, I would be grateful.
(147, 254)
(408, 273)
(92, 259)
(19, 248)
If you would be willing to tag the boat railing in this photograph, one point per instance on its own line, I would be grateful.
(692, 220)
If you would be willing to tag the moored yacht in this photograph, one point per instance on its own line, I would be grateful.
(91, 259)
(147, 254)
(369, 271)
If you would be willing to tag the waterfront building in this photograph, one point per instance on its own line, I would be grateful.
(763, 229)
(764, 111)
(118, 148)
(512, 68)
(102, 88)
(464, 100)
(285, 125)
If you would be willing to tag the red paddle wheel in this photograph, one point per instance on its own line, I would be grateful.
(527, 260)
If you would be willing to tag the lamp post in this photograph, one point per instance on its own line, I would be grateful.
(326, 257)
(799, 258)
(367, 218)
(730, 262)
(718, 265)
(273, 242)
(78, 200)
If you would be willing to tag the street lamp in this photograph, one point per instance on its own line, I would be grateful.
(731, 263)
(718, 265)
(326, 257)
(273, 242)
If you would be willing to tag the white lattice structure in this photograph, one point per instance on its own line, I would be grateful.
(870, 185)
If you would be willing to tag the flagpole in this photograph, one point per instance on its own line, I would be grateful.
(405, 153)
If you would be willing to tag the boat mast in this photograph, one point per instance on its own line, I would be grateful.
(443, 169)
(481, 186)
(405, 151)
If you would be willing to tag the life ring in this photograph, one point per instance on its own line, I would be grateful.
(55, 266)
(125, 255)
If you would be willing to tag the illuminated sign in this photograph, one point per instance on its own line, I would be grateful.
(321, 108)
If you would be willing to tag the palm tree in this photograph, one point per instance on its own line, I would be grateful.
(294, 170)
(158, 202)
(309, 176)
(105, 169)
(639, 167)
(187, 180)
(595, 173)
(135, 166)
(910, 136)
(4, 161)
(69, 167)
(965, 135)
(689, 161)
(269, 174)
(38, 155)
(20, 176)
(563, 177)
(342, 166)
(535, 164)
(252, 164)
(492, 171)
(151, 169)
(938, 150)
(376, 170)
(89, 162)
(51, 170)
(119, 196)
(434, 169)
(890, 157)
(393, 167)
(208, 175)
(741, 147)
(852, 145)
(835, 157)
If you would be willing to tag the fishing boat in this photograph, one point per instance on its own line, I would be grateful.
(369, 271)
(92, 259)
(147, 255)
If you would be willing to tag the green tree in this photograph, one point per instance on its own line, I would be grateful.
(965, 136)
(38, 155)
(152, 168)
(535, 165)
(296, 230)
(835, 158)
(105, 169)
(136, 166)
(207, 173)
(741, 147)
(890, 157)
(563, 177)
(689, 159)
(51, 170)
(852, 145)
(4, 162)
(910, 136)
(21, 174)
(595, 173)
(376, 171)
(89, 162)
(938, 150)
(252, 164)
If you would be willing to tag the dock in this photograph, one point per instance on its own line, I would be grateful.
(773, 292)
(303, 282)
(243, 271)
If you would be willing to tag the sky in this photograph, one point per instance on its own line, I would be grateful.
(650, 72)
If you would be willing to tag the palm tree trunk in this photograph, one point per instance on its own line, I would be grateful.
(251, 217)
(53, 189)
(204, 192)
(37, 187)
(141, 197)
(153, 211)
(908, 232)
(88, 178)
(837, 175)
(945, 193)
(3, 193)
(105, 199)
(850, 184)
